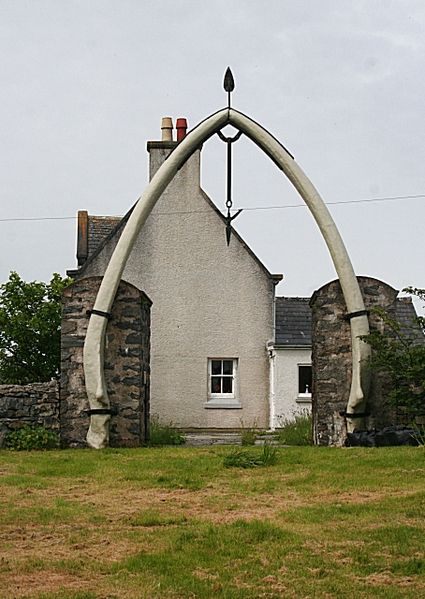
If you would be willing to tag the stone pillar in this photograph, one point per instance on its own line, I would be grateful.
(126, 364)
(331, 360)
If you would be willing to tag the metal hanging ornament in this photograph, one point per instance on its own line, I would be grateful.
(229, 86)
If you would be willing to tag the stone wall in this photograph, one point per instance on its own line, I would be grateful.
(126, 364)
(331, 360)
(36, 404)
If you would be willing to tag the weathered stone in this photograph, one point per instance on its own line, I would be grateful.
(36, 404)
(130, 311)
(133, 367)
(131, 380)
(68, 326)
(72, 309)
(125, 325)
(72, 341)
(129, 325)
(133, 339)
(331, 360)
(130, 352)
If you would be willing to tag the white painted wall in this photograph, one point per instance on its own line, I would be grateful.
(287, 401)
(209, 300)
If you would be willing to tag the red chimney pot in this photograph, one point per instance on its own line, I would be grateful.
(181, 126)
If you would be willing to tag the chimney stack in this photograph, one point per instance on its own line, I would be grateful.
(181, 126)
(167, 128)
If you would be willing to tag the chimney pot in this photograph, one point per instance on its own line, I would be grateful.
(167, 128)
(181, 126)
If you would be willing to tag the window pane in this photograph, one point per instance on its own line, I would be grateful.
(227, 384)
(215, 384)
(304, 379)
(227, 366)
(216, 367)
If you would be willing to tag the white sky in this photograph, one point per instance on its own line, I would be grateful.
(84, 84)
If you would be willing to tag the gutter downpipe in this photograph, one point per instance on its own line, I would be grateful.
(272, 368)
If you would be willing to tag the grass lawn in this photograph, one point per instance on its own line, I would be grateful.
(175, 523)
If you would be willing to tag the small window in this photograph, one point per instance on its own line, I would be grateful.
(222, 383)
(304, 380)
(222, 377)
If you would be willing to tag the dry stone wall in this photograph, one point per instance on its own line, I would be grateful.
(126, 364)
(36, 404)
(331, 360)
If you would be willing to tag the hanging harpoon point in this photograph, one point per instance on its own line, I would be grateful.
(229, 225)
(228, 233)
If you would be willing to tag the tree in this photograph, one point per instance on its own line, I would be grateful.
(30, 318)
(399, 353)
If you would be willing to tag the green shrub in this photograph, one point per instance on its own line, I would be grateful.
(419, 434)
(248, 436)
(399, 354)
(164, 434)
(296, 431)
(241, 458)
(248, 433)
(28, 438)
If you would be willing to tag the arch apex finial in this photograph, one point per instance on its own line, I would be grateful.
(229, 82)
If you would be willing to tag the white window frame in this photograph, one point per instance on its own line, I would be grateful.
(302, 397)
(223, 400)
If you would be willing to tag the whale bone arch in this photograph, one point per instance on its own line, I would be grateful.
(94, 345)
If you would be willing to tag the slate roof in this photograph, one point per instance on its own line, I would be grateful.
(405, 314)
(293, 322)
(99, 227)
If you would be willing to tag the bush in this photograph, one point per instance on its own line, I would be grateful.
(419, 435)
(164, 434)
(296, 431)
(30, 320)
(28, 438)
(248, 434)
(241, 458)
(399, 354)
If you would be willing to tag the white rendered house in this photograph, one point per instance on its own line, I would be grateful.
(213, 305)
(290, 360)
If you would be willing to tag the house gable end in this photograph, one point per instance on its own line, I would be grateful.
(102, 230)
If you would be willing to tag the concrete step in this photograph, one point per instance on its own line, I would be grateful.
(198, 439)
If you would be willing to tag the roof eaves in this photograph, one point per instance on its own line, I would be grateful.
(292, 346)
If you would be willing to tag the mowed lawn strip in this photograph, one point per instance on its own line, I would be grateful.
(175, 523)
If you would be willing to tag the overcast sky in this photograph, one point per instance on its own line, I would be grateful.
(84, 84)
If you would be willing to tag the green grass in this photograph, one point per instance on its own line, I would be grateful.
(241, 458)
(174, 522)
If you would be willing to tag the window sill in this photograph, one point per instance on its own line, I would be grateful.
(304, 398)
(223, 404)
